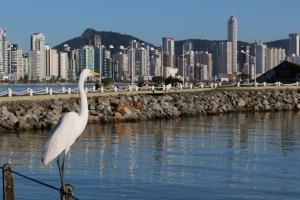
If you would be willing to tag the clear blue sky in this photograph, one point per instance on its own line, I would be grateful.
(149, 20)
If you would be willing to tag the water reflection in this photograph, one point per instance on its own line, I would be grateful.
(240, 154)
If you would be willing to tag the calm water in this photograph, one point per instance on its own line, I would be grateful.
(37, 87)
(238, 156)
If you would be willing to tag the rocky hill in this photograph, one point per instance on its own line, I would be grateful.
(118, 39)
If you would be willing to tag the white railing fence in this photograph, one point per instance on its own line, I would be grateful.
(186, 86)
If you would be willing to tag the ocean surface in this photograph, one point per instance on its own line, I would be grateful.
(37, 87)
(234, 156)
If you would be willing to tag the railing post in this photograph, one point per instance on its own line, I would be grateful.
(30, 92)
(115, 89)
(102, 89)
(181, 86)
(152, 88)
(297, 83)
(130, 88)
(46, 90)
(68, 193)
(86, 90)
(212, 85)
(238, 84)
(69, 90)
(50, 91)
(220, 84)
(164, 87)
(63, 89)
(191, 86)
(216, 85)
(94, 88)
(9, 92)
(8, 183)
(136, 88)
(279, 84)
(265, 84)
(202, 85)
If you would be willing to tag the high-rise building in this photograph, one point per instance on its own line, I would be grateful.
(35, 64)
(155, 62)
(204, 58)
(16, 63)
(232, 37)
(85, 58)
(245, 60)
(38, 44)
(168, 51)
(3, 54)
(224, 59)
(51, 57)
(142, 62)
(63, 65)
(96, 40)
(260, 57)
(273, 57)
(26, 68)
(293, 44)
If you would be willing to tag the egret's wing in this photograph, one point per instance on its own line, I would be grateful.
(63, 136)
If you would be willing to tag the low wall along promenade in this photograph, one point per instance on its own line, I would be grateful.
(43, 111)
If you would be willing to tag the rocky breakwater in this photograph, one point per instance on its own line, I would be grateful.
(131, 108)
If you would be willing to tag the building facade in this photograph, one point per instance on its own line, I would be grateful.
(232, 37)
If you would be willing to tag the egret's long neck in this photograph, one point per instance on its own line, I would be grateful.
(83, 98)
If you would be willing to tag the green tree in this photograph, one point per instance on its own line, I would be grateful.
(173, 81)
(158, 81)
(107, 81)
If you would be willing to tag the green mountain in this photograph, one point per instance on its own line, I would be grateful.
(107, 38)
(118, 39)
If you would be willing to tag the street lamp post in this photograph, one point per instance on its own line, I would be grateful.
(244, 52)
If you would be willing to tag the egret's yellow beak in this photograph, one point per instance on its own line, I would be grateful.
(94, 73)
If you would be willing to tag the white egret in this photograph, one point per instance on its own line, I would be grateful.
(68, 129)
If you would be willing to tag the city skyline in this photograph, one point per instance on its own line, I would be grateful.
(183, 20)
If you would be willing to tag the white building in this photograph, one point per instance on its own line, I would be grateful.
(168, 51)
(51, 57)
(274, 56)
(260, 57)
(38, 44)
(63, 65)
(293, 44)
(16, 63)
(232, 37)
(3, 55)
(35, 64)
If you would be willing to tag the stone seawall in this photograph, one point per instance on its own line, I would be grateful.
(20, 115)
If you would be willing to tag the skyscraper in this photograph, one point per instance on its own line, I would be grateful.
(168, 51)
(16, 63)
(260, 57)
(232, 37)
(3, 54)
(293, 44)
(51, 62)
(38, 48)
(224, 59)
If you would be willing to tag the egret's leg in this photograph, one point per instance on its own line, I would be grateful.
(63, 169)
(60, 171)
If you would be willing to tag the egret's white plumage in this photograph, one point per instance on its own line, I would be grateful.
(69, 127)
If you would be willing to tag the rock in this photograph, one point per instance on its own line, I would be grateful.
(118, 116)
(241, 103)
(125, 111)
(120, 106)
